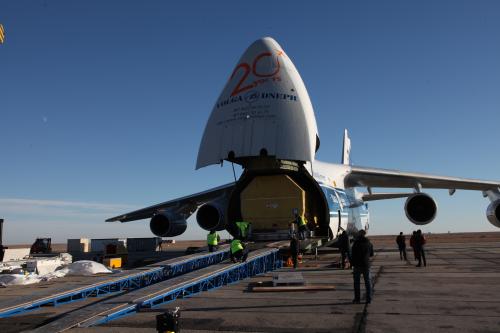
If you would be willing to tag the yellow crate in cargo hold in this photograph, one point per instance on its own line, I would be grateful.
(113, 262)
(268, 202)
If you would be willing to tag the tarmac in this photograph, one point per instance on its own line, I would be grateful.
(457, 291)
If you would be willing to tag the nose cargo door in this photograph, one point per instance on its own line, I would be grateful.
(268, 202)
(263, 110)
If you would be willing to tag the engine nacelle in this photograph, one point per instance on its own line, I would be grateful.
(167, 224)
(493, 213)
(420, 208)
(211, 216)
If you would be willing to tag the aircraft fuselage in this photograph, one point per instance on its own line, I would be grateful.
(270, 191)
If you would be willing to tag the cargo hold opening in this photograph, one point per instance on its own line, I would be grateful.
(268, 199)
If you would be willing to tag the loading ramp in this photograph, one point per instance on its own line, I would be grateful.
(187, 285)
(122, 282)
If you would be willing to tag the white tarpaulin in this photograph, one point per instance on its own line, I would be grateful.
(83, 267)
(86, 267)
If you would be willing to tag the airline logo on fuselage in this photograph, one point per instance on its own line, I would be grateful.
(255, 95)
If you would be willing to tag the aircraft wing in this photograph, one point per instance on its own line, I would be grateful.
(185, 206)
(371, 177)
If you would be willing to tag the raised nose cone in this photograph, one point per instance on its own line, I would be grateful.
(264, 108)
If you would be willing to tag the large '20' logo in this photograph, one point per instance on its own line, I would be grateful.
(247, 70)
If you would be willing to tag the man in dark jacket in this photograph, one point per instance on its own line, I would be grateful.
(294, 249)
(345, 249)
(401, 241)
(412, 244)
(362, 250)
(419, 248)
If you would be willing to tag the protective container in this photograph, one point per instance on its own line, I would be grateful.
(268, 202)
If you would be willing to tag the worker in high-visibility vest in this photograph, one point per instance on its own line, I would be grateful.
(213, 240)
(239, 251)
(244, 229)
(301, 222)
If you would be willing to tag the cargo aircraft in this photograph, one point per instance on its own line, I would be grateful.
(264, 121)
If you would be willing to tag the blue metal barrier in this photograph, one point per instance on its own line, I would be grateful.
(126, 283)
(266, 262)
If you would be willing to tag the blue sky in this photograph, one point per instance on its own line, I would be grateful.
(103, 104)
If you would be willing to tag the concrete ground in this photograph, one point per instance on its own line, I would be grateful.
(457, 291)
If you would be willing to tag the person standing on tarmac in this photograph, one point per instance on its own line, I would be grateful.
(401, 241)
(238, 250)
(294, 249)
(362, 250)
(412, 244)
(345, 249)
(213, 240)
(419, 248)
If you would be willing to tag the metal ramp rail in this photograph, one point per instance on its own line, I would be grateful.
(157, 273)
(259, 262)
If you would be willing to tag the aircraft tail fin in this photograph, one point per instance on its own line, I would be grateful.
(346, 149)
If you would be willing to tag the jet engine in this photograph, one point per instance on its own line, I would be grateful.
(420, 208)
(493, 213)
(167, 224)
(211, 215)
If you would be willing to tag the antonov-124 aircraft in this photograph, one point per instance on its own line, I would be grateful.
(264, 121)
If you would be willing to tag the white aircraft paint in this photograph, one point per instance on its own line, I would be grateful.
(264, 105)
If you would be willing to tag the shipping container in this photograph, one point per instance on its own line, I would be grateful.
(143, 244)
(100, 245)
(269, 202)
(78, 245)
